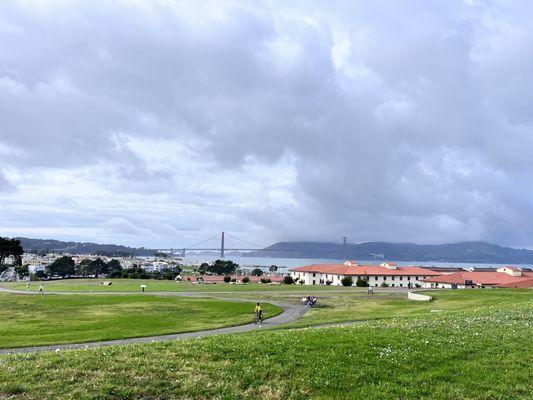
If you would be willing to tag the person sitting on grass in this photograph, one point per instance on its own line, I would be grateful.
(258, 313)
(311, 301)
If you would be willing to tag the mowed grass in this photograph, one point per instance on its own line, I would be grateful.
(28, 320)
(485, 354)
(340, 307)
(152, 285)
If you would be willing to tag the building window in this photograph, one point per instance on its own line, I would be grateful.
(314, 276)
(401, 284)
(417, 278)
(392, 279)
(408, 278)
(401, 278)
(376, 285)
(314, 282)
(393, 283)
(383, 278)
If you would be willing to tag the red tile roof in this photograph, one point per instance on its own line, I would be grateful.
(524, 283)
(477, 278)
(340, 269)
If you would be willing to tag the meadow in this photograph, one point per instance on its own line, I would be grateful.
(483, 354)
(28, 320)
(152, 285)
(341, 307)
(357, 305)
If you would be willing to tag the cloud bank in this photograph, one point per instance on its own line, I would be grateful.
(160, 123)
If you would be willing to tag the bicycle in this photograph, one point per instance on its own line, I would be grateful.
(258, 317)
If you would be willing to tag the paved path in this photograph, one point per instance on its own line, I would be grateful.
(291, 312)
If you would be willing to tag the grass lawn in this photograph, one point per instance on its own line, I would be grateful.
(133, 285)
(484, 354)
(27, 320)
(339, 307)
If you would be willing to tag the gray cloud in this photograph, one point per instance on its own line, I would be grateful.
(164, 122)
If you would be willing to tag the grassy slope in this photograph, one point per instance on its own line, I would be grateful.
(461, 355)
(27, 320)
(133, 285)
(356, 307)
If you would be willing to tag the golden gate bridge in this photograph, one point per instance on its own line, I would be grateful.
(222, 248)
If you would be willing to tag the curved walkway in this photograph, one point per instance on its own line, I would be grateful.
(290, 313)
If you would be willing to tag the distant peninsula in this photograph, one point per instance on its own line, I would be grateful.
(466, 252)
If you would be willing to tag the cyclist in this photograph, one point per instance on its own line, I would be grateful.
(258, 312)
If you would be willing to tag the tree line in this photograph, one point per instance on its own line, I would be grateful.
(65, 266)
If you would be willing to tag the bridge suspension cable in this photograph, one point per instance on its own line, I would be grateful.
(244, 241)
(205, 241)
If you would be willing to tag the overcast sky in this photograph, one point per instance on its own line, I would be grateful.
(161, 123)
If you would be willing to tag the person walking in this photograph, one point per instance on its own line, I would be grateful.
(258, 314)
(41, 288)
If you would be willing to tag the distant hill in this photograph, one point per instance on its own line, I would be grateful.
(50, 245)
(467, 252)
(463, 252)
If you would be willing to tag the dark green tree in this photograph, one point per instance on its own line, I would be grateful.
(63, 266)
(98, 267)
(287, 280)
(347, 281)
(11, 247)
(219, 267)
(361, 282)
(257, 272)
(22, 271)
(203, 268)
(83, 268)
(113, 266)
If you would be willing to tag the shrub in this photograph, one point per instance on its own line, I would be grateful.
(361, 283)
(233, 280)
(266, 280)
(418, 285)
(347, 281)
(329, 282)
(384, 284)
(245, 279)
(287, 280)
(115, 274)
(227, 279)
(257, 272)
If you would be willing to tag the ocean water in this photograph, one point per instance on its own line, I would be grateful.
(284, 263)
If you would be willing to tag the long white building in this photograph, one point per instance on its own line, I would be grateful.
(386, 273)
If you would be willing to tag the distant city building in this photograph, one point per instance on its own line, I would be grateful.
(34, 268)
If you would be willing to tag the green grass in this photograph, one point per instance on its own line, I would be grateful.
(484, 354)
(133, 285)
(339, 307)
(27, 320)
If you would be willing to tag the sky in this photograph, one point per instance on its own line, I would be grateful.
(160, 123)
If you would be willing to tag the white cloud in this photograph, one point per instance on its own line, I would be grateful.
(160, 123)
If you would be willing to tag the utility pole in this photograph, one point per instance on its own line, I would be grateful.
(344, 248)
(222, 246)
